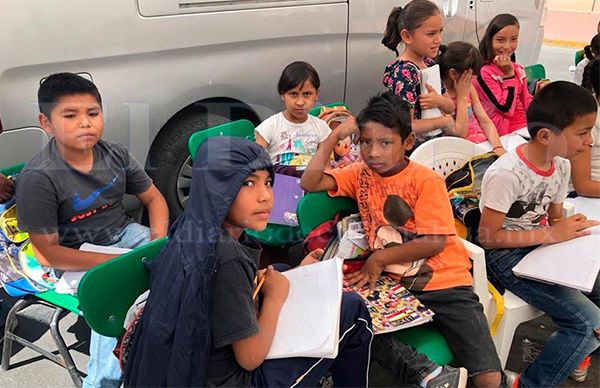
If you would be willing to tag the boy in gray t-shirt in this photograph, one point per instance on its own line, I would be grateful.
(72, 192)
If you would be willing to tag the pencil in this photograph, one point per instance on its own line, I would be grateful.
(260, 284)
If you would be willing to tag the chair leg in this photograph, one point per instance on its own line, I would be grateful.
(9, 336)
(62, 348)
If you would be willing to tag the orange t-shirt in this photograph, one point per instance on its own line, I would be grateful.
(411, 203)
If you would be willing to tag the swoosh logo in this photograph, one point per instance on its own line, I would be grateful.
(82, 204)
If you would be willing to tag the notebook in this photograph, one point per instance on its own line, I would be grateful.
(287, 193)
(431, 76)
(309, 321)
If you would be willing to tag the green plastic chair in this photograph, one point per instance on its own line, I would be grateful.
(61, 303)
(239, 128)
(316, 208)
(274, 234)
(317, 109)
(108, 290)
(536, 71)
(579, 55)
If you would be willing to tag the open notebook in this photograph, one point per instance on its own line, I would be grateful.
(309, 321)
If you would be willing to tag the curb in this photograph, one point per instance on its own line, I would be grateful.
(566, 43)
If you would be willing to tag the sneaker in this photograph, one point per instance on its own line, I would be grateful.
(512, 379)
(449, 378)
(579, 374)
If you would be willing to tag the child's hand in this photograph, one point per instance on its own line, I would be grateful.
(7, 187)
(369, 273)
(447, 124)
(312, 257)
(276, 285)
(463, 84)
(504, 63)
(570, 228)
(347, 128)
(328, 115)
(499, 151)
(432, 99)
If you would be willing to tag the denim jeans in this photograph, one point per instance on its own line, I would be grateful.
(103, 367)
(577, 315)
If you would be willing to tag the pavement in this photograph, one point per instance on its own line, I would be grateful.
(571, 24)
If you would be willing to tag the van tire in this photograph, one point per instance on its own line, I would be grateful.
(170, 153)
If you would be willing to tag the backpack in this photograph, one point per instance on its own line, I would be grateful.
(320, 236)
(464, 190)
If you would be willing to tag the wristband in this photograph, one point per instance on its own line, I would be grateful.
(498, 146)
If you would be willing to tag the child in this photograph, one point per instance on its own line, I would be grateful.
(436, 264)
(201, 326)
(591, 51)
(585, 169)
(7, 187)
(419, 27)
(458, 62)
(291, 137)
(502, 84)
(521, 208)
(72, 192)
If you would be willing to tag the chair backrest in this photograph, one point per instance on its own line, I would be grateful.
(107, 291)
(238, 128)
(536, 71)
(317, 109)
(446, 154)
(579, 55)
(316, 208)
(11, 170)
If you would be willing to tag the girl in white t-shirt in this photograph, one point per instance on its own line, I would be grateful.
(292, 137)
(585, 169)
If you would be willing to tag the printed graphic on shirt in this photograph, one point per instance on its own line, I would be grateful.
(82, 204)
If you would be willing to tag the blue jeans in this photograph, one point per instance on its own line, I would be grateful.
(103, 367)
(576, 314)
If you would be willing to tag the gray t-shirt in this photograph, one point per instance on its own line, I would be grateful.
(514, 186)
(53, 197)
(234, 313)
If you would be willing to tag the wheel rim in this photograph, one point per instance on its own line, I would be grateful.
(184, 182)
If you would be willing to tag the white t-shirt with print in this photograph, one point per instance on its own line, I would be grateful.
(292, 144)
(512, 185)
(596, 149)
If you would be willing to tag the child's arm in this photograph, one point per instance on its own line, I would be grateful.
(486, 124)
(158, 211)
(260, 140)
(434, 100)
(462, 87)
(50, 253)
(491, 234)
(7, 187)
(251, 351)
(581, 172)
(420, 126)
(502, 94)
(424, 246)
(313, 178)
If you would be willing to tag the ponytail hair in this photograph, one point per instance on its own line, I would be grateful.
(408, 18)
(460, 56)
(593, 49)
(591, 77)
(498, 22)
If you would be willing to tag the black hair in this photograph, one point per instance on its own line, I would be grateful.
(591, 77)
(388, 110)
(58, 85)
(557, 105)
(408, 18)
(297, 73)
(593, 49)
(459, 56)
(498, 22)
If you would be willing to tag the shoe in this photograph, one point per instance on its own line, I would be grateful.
(449, 378)
(512, 379)
(579, 374)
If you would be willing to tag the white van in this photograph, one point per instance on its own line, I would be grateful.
(167, 68)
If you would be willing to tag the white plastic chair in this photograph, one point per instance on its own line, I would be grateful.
(444, 155)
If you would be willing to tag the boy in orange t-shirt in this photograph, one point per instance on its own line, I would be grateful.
(407, 216)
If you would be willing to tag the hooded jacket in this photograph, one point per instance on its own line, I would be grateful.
(172, 342)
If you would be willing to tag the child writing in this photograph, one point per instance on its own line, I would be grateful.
(72, 192)
(201, 326)
(521, 207)
(433, 264)
(419, 27)
(591, 51)
(458, 62)
(502, 84)
(291, 137)
(585, 168)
